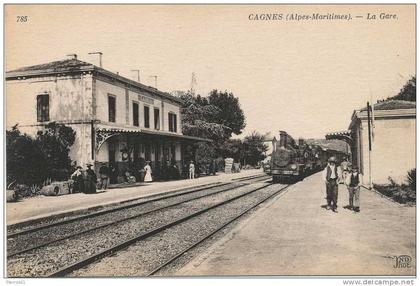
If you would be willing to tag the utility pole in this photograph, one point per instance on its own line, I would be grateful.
(155, 76)
(100, 57)
(370, 144)
(138, 74)
(193, 83)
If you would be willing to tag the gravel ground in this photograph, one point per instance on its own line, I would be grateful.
(63, 217)
(42, 261)
(24, 241)
(142, 257)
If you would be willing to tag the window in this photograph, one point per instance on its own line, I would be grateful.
(172, 122)
(146, 117)
(43, 107)
(135, 114)
(111, 108)
(157, 118)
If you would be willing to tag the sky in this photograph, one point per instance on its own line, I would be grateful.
(304, 77)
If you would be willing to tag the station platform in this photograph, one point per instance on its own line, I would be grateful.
(45, 206)
(293, 235)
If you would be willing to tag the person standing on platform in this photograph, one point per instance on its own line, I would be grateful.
(90, 181)
(104, 177)
(148, 172)
(77, 177)
(331, 176)
(191, 170)
(345, 169)
(212, 167)
(354, 182)
(174, 171)
(165, 170)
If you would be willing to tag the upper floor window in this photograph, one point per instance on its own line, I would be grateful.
(172, 122)
(146, 117)
(111, 108)
(43, 107)
(135, 114)
(157, 118)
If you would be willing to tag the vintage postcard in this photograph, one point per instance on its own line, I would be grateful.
(198, 140)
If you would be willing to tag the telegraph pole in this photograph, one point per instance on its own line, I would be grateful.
(100, 57)
(193, 83)
(370, 145)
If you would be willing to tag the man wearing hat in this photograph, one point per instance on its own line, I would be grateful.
(353, 182)
(331, 175)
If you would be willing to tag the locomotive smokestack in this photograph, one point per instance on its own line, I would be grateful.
(283, 139)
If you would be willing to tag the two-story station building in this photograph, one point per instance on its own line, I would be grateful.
(118, 121)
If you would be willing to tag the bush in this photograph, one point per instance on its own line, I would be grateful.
(400, 193)
(411, 177)
(33, 161)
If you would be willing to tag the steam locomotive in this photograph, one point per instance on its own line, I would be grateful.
(291, 160)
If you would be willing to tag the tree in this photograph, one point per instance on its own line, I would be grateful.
(231, 114)
(55, 142)
(34, 160)
(24, 160)
(408, 92)
(198, 118)
(231, 148)
(206, 117)
(254, 148)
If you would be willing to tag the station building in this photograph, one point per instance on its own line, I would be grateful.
(393, 141)
(118, 121)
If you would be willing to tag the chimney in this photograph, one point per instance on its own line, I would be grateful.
(283, 139)
(274, 142)
(74, 56)
(301, 141)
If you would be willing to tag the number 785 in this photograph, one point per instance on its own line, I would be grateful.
(22, 19)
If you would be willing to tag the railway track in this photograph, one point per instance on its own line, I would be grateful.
(205, 237)
(18, 254)
(155, 236)
(16, 230)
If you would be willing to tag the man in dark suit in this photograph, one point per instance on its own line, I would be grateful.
(330, 176)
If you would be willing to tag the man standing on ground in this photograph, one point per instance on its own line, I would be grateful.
(345, 169)
(104, 175)
(331, 176)
(353, 182)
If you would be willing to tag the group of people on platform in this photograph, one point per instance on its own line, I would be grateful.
(346, 174)
(86, 181)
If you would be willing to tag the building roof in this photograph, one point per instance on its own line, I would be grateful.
(386, 109)
(392, 105)
(57, 66)
(107, 128)
(77, 66)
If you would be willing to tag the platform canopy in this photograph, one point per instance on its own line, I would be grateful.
(105, 132)
(340, 135)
